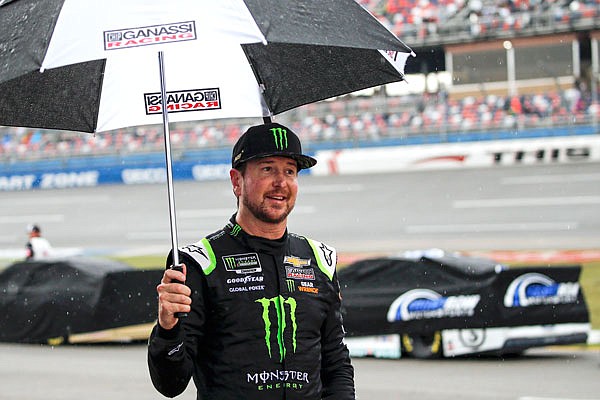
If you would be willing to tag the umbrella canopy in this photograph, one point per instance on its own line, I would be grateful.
(88, 65)
(92, 66)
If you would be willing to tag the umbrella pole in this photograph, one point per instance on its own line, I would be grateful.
(169, 162)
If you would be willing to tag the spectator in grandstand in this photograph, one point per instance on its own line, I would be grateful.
(347, 120)
(38, 247)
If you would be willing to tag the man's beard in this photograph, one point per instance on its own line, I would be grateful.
(259, 213)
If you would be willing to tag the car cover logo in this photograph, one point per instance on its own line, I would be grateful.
(425, 304)
(279, 317)
(242, 263)
(184, 100)
(537, 289)
(149, 35)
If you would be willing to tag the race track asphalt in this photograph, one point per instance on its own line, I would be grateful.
(548, 207)
(119, 373)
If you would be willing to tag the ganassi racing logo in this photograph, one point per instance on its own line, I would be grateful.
(148, 35)
(425, 303)
(184, 100)
(534, 289)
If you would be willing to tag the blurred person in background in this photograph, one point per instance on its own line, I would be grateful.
(38, 247)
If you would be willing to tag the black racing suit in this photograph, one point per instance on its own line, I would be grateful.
(265, 322)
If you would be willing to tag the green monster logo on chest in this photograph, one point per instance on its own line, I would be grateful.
(283, 316)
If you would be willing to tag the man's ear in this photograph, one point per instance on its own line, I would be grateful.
(236, 179)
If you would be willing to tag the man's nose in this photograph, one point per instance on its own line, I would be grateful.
(280, 179)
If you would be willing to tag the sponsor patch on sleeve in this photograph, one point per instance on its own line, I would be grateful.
(326, 257)
(202, 253)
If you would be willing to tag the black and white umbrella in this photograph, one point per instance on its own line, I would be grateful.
(92, 66)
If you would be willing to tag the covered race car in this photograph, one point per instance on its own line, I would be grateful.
(434, 306)
(75, 299)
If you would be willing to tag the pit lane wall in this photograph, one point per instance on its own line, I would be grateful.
(479, 154)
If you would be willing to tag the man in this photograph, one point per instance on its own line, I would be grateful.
(263, 305)
(37, 248)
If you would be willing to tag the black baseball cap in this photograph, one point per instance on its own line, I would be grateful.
(266, 140)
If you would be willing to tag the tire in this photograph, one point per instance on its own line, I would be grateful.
(422, 346)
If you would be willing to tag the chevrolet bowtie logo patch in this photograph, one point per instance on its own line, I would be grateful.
(296, 261)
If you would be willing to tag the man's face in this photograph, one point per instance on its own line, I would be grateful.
(268, 188)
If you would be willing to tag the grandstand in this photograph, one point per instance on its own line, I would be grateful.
(482, 67)
(426, 22)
